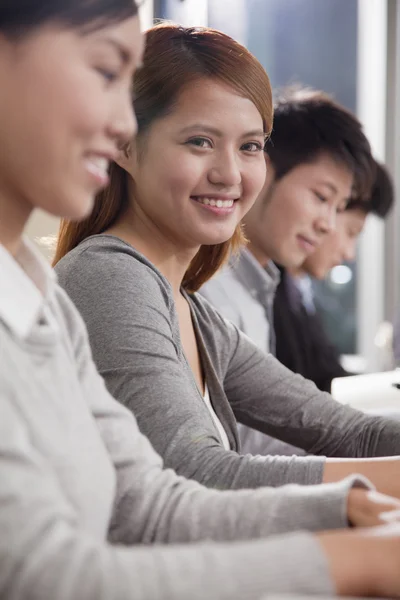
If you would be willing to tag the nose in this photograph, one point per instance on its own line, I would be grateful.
(349, 251)
(122, 123)
(327, 219)
(225, 170)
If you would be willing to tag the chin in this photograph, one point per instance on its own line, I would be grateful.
(79, 208)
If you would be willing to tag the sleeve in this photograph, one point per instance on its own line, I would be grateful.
(125, 308)
(216, 294)
(153, 504)
(45, 554)
(267, 396)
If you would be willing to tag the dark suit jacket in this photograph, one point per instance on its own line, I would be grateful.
(301, 342)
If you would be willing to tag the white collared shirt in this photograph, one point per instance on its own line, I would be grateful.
(27, 281)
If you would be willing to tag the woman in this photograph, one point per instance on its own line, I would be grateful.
(77, 479)
(168, 219)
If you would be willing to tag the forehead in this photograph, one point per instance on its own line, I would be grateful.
(354, 219)
(329, 171)
(206, 99)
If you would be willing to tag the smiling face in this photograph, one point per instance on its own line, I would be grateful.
(65, 107)
(339, 246)
(200, 169)
(293, 215)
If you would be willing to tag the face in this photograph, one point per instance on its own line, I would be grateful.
(65, 108)
(339, 246)
(293, 215)
(201, 168)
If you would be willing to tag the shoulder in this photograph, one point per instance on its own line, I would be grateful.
(104, 264)
(217, 330)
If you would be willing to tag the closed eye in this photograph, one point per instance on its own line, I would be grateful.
(320, 196)
(107, 74)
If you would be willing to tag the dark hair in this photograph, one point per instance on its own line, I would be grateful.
(19, 17)
(175, 57)
(308, 123)
(381, 198)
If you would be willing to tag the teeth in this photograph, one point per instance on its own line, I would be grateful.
(216, 203)
(98, 164)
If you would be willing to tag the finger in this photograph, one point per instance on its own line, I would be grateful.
(391, 516)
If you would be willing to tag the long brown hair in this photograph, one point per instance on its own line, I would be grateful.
(174, 57)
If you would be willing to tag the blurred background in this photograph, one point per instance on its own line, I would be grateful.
(351, 49)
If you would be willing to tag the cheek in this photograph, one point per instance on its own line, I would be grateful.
(253, 179)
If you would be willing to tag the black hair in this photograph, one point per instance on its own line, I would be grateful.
(20, 17)
(381, 199)
(308, 123)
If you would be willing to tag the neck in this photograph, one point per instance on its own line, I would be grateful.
(297, 272)
(14, 216)
(260, 256)
(156, 246)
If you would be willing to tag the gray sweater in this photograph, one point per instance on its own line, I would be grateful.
(86, 507)
(133, 327)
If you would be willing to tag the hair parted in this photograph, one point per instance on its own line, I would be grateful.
(19, 17)
(308, 123)
(174, 58)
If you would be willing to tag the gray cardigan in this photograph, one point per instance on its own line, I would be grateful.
(87, 511)
(133, 327)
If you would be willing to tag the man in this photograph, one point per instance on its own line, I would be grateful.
(301, 342)
(317, 157)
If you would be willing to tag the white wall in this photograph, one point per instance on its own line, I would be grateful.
(371, 110)
(40, 226)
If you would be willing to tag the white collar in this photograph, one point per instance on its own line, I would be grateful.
(25, 283)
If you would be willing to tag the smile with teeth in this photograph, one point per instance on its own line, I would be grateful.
(214, 202)
(98, 166)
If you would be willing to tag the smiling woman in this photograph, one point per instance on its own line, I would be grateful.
(62, 77)
(194, 81)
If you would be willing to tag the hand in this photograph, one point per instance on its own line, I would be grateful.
(368, 508)
(384, 473)
(364, 563)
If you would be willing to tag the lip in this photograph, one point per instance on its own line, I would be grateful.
(307, 244)
(216, 210)
(235, 198)
(98, 174)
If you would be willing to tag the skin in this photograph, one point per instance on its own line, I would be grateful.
(77, 88)
(339, 246)
(293, 215)
(57, 180)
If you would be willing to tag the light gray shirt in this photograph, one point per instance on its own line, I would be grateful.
(129, 308)
(86, 507)
(243, 292)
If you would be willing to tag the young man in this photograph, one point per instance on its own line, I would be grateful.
(317, 158)
(301, 342)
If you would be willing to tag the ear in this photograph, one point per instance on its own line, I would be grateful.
(126, 158)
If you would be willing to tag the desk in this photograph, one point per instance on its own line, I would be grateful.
(373, 392)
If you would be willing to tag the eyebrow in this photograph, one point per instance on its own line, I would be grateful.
(125, 54)
(218, 133)
(328, 184)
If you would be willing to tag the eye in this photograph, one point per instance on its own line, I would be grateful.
(107, 74)
(320, 196)
(200, 142)
(252, 147)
